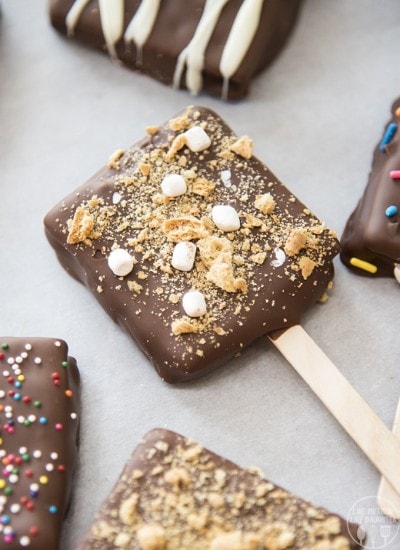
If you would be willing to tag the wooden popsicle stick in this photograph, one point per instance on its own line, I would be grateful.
(373, 437)
(388, 498)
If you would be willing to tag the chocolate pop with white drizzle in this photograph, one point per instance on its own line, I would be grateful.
(218, 45)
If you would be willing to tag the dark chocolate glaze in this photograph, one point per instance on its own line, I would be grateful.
(175, 26)
(219, 498)
(369, 234)
(37, 370)
(277, 296)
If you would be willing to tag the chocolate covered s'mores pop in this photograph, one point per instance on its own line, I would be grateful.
(195, 248)
(174, 494)
(193, 245)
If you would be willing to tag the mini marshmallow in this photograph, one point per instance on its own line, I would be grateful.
(183, 256)
(197, 139)
(280, 257)
(194, 304)
(173, 185)
(226, 178)
(116, 198)
(120, 262)
(225, 217)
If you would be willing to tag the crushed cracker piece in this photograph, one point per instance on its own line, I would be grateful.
(243, 147)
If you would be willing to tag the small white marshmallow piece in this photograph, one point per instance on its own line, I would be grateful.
(197, 139)
(183, 256)
(120, 262)
(194, 304)
(116, 198)
(173, 185)
(225, 217)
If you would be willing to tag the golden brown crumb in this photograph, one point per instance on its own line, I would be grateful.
(114, 158)
(182, 326)
(178, 143)
(179, 123)
(296, 241)
(151, 537)
(307, 266)
(80, 227)
(243, 147)
(151, 130)
(265, 203)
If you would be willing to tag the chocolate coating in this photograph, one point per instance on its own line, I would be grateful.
(255, 280)
(371, 235)
(175, 494)
(174, 27)
(39, 407)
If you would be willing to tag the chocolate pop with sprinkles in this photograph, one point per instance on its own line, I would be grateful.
(371, 238)
(39, 411)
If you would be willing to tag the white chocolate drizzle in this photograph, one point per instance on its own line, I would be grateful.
(192, 56)
(241, 36)
(112, 23)
(141, 25)
(74, 15)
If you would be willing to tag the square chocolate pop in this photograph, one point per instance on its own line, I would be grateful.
(193, 245)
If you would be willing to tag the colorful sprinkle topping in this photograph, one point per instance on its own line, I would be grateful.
(391, 211)
(395, 174)
(28, 474)
(365, 266)
(388, 135)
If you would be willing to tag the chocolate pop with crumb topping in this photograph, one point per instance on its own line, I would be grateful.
(193, 245)
(217, 46)
(39, 408)
(371, 238)
(174, 494)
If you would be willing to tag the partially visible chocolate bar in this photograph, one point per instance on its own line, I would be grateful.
(192, 245)
(371, 238)
(212, 45)
(39, 412)
(174, 494)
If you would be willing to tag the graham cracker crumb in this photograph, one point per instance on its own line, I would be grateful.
(243, 147)
(151, 130)
(265, 203)
(114, 158)
(307, 266)
(296, 241)
(80, 227)
(179, 124)
(182, 326)
(151, 537)
(178, 143)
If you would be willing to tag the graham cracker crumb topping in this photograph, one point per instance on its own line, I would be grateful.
(189, 498)
(278, 241)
